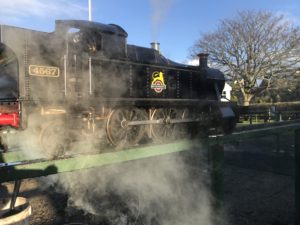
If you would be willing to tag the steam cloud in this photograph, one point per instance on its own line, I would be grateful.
(161, 191)
(160, 11)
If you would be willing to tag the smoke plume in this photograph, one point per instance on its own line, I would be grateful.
(160, 10)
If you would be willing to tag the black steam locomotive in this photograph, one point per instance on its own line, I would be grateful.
(84, 80)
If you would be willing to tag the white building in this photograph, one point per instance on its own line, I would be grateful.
(226, 93)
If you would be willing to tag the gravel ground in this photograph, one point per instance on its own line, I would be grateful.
(258, 188)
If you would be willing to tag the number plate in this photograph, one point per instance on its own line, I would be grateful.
(43, 71)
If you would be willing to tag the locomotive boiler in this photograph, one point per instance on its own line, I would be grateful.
(84, 80)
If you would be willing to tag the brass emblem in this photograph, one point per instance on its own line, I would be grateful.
(158, 83)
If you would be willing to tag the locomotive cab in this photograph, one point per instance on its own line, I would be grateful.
(87, 46)
(94, 38)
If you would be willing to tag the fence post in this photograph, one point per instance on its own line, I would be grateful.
(216, 161)
(297, 177)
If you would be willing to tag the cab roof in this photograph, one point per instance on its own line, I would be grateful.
(83, 24)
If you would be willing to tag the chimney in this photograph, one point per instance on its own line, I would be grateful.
(203, 60)
(155, 45)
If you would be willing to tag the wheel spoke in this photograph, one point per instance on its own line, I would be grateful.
(168, 132)
(121, 135)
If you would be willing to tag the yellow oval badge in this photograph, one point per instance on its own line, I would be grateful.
(158, 83)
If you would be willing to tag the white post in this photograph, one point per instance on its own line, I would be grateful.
(65, 73)
(90, 10)
(90, 74)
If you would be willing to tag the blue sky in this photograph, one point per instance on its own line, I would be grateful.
(176, 24)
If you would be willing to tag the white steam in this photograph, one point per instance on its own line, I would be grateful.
(160, 191)
(160, 10)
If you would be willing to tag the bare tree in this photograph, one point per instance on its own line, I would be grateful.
(254, 48)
